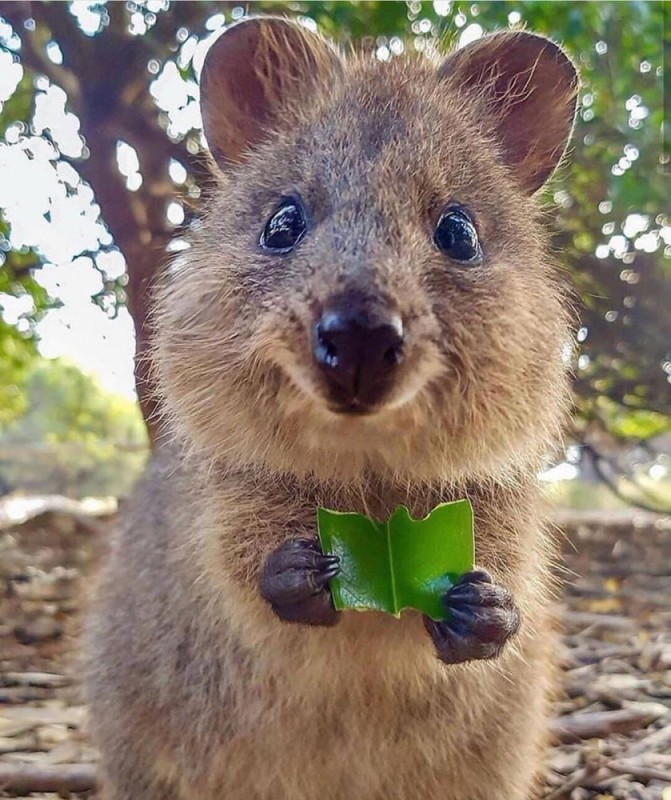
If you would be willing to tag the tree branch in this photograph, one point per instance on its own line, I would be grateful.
(598, 459)
(78, 50)
(33, 54)
(22, 779)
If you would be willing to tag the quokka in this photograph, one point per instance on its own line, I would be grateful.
(368, 315)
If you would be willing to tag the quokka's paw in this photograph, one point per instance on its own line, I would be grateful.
(482, 618)
(295, 582)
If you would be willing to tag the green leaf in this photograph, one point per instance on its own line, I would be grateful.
(402, 563)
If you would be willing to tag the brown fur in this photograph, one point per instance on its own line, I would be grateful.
(197, 689)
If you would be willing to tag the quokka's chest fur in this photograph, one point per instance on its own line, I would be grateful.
(262, 711)
(350, 731)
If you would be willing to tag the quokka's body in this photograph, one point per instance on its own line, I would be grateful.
(366, 317)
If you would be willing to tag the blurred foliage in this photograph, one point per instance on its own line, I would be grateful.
(585, 495)
(16, 355)
(88, 442)
(17, 344)
(609, 206)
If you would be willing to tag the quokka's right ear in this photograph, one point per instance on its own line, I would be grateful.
(253, 75)
(528, 88)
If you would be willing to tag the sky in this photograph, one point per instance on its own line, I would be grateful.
(35, 183)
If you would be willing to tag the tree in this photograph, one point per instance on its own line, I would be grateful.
(611, 217)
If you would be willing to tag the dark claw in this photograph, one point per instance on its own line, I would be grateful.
(330, 573)
(482, 618)
(488, 595)
(295, 582)
(475, 576)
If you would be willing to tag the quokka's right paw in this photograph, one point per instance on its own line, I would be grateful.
(295, 582)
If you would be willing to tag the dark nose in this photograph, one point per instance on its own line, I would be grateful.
(358, 351)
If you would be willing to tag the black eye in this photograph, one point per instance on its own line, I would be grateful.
(285, 228)
(456, 236)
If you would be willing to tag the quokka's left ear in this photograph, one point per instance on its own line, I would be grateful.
(528, 88)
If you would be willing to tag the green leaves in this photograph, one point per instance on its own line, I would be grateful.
(401, 563)
(67, 435)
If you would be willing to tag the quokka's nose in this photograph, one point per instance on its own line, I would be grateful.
(357, 352)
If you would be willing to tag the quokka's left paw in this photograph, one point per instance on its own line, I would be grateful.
(482, 618)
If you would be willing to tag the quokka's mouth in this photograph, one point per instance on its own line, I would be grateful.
(353, 408)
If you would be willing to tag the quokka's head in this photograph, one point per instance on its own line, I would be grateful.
(369, 288)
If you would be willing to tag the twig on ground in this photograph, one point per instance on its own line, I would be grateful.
(24, 779)
(600, 724)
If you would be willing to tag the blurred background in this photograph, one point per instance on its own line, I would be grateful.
(101, 170)
(102, 173)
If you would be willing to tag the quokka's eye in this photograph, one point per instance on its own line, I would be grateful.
(456, 236)
(285, 228)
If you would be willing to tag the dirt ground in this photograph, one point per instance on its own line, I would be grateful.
(612, 724)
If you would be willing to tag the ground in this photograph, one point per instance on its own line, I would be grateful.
(612, 723)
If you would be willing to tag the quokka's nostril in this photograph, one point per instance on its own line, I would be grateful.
(328, 354)
(393, 355)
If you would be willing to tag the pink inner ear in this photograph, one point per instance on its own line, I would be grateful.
(252, 76)
(529, 91)
(231, 98)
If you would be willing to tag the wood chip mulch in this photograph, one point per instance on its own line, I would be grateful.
(612, 724)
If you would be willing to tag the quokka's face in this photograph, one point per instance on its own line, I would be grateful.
(370, 285)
